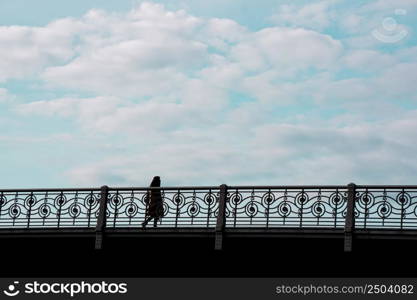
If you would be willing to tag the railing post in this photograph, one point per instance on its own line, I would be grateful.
(221, 218)
(101, 219)
(350, 216)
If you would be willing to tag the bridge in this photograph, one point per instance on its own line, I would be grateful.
(348, 212)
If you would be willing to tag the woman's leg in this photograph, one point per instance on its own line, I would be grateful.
(146, 221)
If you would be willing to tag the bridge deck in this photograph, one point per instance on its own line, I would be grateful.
(209, 233)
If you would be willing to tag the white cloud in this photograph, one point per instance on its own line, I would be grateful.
(394, 83)
(272, 56)
(368, 60)
(136, 54)
(61, 137)
(354, 22)
(112, 115)
(387, 5)
(317, 15)
(70, 107)
(286, 47)
(220, 33)
(267, 154)
(153, 52)
(27, 50)
(5, 95)
(160, 60)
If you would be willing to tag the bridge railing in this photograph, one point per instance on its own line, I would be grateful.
(49, 208)
(291, 206)
(183, 207)
(390, 207)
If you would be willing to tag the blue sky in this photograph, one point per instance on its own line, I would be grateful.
(207, 92)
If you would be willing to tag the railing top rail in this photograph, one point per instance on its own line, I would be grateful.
(288, 187)
(241, 187)
(95, 189)
(386, 186)
(166, 188)
(323, 187)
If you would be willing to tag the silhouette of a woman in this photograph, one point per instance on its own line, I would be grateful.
(154, 201)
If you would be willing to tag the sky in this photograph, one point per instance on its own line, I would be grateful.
(207, 92)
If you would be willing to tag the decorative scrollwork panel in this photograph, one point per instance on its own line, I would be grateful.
(49, 209)
(386, 208)
(181, 208)
(286, 208)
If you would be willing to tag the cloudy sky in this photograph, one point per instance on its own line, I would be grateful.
(207, 92)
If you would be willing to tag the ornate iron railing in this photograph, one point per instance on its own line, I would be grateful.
(286, 207)
(245, 206)
(183, 207)
(49, 208)
(386, 207)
